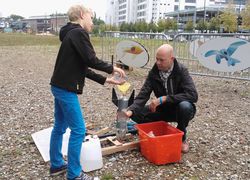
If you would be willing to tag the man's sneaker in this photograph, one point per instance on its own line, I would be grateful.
(184, 147)
(58, 171)
(84, 176)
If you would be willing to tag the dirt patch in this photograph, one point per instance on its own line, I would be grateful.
(219, 135)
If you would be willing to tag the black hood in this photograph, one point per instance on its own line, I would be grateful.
(65, 29)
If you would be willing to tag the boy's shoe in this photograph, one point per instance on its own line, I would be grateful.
(184, 147)
(58, 171)
(84, 176)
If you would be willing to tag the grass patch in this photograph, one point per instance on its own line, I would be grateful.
(20, 39)
(107, 177)
(245, 94)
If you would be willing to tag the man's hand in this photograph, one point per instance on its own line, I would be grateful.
(153, 105)
(128, 113)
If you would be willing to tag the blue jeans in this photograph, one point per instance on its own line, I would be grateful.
(67, 113)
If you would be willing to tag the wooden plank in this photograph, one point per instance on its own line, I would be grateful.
(123, 147)
(89, 125)
(128, 136)
(114, 141)
(100, 132)
(90, 132)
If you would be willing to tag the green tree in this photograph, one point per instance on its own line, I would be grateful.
(97, 23)
(161, 25)
(165, 25)
(202, 26)
(134, 27)
(131, 27)
(58, 14)
(189, 26)
(229, 19)
(174, 25)
(214, 24)
(108, 27)
(114, 28)
(152, 27)
(124, 27)
(168, 24)
(141, 26)
(16, 17)
(245, 14)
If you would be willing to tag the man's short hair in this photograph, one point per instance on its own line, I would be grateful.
(74, 12)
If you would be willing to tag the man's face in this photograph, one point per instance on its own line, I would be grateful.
(88, 21)
(163, 61)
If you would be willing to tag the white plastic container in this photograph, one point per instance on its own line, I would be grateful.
(91, 154)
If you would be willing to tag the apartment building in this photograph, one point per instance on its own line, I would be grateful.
(131, 11)
(120, 11)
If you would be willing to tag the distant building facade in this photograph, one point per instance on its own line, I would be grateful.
(35, 24)
(52, 23)
(131, 11)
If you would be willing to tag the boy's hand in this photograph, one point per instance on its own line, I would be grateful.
(120, 72)
(114, 80)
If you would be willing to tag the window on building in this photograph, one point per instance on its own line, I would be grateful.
(189, 7)
(122, 1)
(122, 12)
(139, 14)
(190, 1)
(122, 17)
(122, 6)
(140, 1)
(141, 7)
(176, 8)
(176, 0)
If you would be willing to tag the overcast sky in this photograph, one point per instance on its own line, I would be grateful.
(27, 8)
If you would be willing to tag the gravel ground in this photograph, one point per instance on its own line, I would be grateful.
(219, 135)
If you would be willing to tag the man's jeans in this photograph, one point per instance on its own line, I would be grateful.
(181, 113)
(67, 113)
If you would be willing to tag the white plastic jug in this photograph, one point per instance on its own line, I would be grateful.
(91, 154)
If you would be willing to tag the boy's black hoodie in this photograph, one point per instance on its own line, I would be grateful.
(76, 55)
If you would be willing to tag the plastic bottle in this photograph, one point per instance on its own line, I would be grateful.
(91, 154)
(121, 126)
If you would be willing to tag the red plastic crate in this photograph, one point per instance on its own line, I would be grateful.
(164, 147)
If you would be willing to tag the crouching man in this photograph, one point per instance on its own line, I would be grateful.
(174, 90)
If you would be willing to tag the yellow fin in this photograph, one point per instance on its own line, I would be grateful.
(124, 87)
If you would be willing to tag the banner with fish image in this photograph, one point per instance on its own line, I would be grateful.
(195, 44)
(132, 53)
(226, 54)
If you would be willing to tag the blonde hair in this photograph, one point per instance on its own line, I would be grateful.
(74, 12)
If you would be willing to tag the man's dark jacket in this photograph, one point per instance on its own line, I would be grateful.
(180, 87)
(75, 56)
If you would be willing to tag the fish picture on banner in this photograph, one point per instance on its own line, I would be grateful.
(132, 53)
(224, 54)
